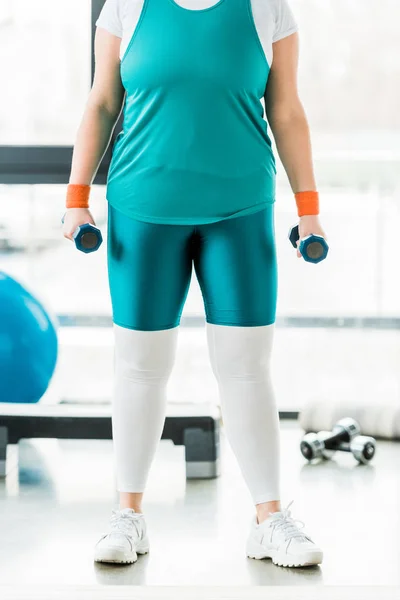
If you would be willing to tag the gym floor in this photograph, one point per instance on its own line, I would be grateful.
(57, 503)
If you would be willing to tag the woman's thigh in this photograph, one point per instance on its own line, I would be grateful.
(235, 263)
(149, 270)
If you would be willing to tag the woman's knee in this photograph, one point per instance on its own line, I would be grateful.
(240, 352)
(145, 356)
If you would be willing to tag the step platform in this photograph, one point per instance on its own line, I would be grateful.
(194, 426)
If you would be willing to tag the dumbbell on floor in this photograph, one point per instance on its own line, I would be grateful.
(344, 437)
(362, 448)
(313, 248)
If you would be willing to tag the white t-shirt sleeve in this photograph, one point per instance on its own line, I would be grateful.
(110, 18)
(285, 23)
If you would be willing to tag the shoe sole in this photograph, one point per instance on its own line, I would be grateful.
(306, 560)
(110, 557)
(290, 563)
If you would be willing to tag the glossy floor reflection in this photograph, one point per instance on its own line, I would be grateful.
(54, 508)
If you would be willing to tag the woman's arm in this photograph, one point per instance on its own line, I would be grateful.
(101, 111)
(99, 119)
(286, 116)
(288, 122)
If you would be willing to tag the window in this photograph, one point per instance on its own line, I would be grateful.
(350, 84)
(45, 47)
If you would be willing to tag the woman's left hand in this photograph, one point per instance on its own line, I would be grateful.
(309, 224)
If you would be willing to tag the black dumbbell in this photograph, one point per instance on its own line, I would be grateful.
(362, 447)
(87, 237)
(345, 437)
(313, 248)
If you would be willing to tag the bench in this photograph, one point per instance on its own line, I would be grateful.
(194, 426)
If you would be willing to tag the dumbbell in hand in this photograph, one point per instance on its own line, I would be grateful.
(87, 237)
(313, 248)
(345, 437)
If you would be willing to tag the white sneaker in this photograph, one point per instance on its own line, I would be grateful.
(279, 537)
(127, 538)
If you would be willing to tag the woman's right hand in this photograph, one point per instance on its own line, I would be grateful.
(74, 217)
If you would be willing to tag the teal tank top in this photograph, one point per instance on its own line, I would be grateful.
(194, 147)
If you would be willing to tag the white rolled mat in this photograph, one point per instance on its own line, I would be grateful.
(378, 420)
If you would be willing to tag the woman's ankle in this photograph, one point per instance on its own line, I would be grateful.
(266, 509)
(131, 500)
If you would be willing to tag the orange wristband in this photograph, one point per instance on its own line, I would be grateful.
(78, 196)
(307, 203)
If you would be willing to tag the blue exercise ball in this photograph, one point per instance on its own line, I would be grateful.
(28, 344)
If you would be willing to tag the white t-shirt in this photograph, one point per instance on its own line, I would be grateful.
(273, 19)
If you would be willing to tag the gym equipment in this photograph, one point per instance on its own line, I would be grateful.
(313, 248)
(195, 426)
(87, 237)
(344, 437)
(28, 344)
(362, 447)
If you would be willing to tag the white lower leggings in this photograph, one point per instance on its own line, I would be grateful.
(240, 359)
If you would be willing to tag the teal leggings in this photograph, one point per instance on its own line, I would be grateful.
(150, 267)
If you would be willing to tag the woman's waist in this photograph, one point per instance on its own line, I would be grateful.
(215, 160)
(185, 198)
(186, 171)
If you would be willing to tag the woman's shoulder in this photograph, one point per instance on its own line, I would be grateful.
(274, 7)
(117, 16)
(274, 16)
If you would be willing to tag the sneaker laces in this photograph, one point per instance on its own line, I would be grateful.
(121, 522)
(290, 527)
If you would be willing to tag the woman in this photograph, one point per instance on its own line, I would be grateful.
(192, 181)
